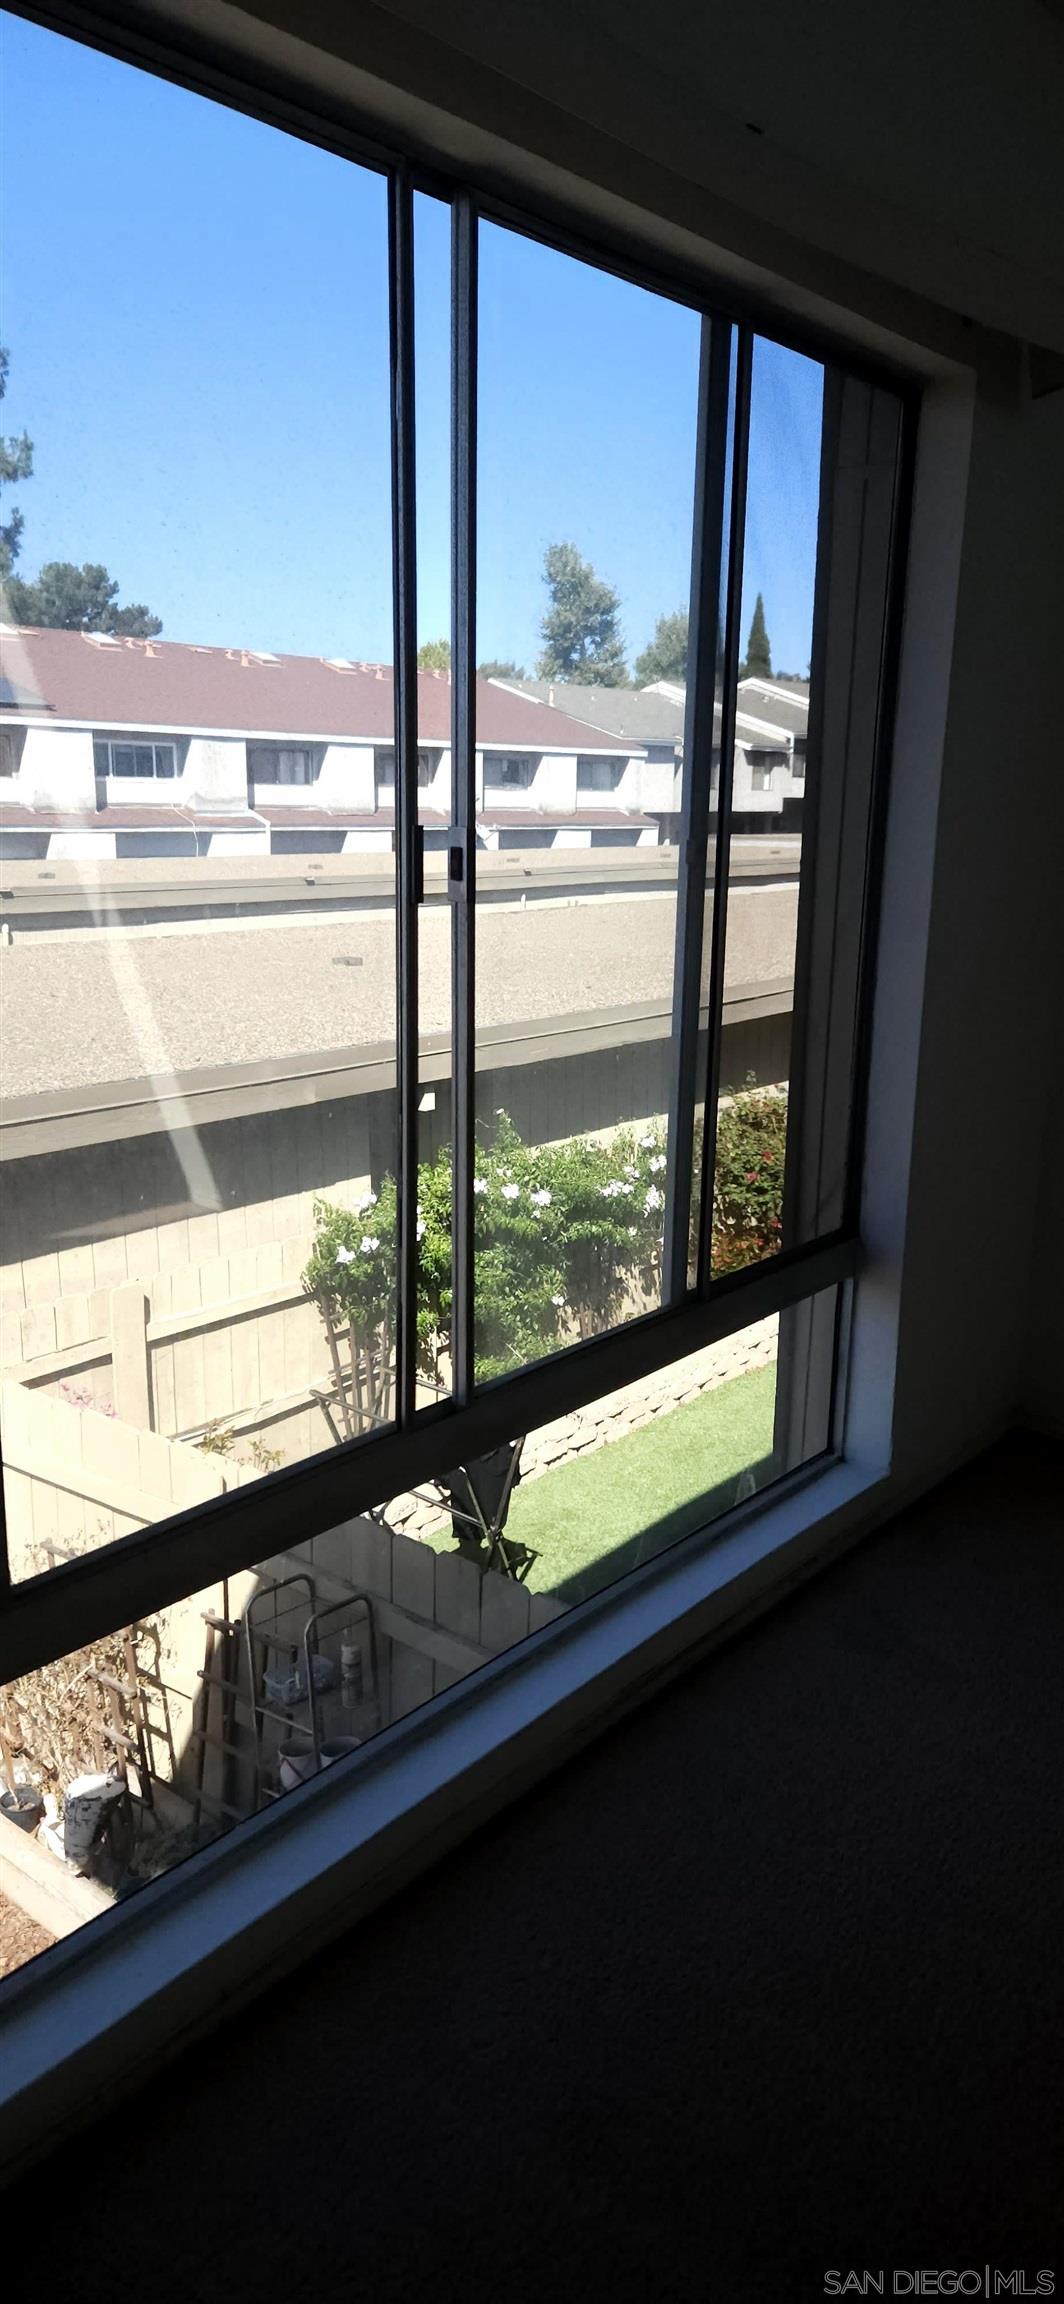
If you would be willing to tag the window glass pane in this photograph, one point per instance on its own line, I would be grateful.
(587, 415)
(198, 1125)
(178, 1727)
(435, 1125)
(762, 894)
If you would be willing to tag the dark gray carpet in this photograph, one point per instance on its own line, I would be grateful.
(768, 1982)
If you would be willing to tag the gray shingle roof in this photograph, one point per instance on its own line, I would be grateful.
(629, 712)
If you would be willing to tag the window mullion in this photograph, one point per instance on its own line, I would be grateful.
(404, 601)
(722, 855)
(703, 648)
(462, 876)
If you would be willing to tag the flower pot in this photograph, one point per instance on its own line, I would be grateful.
(24, 1805)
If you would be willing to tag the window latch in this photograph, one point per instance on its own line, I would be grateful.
(459, 861)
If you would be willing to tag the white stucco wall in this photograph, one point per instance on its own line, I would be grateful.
(212, 778)
(56, 770)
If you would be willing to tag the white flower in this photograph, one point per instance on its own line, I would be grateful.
(421, 1227)
(630, 1168)
(541, 1199)
(370, 1201)
(632, 1230)
(479, 1184)
(646, 1143)
(657, 1163)
(368, 1244)
(344, 1255)
(559, 1301)
(654, 1199)
(511, 1191)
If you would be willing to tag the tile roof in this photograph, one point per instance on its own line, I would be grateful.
(172, 684)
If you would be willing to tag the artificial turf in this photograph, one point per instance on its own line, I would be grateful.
(601, 1514)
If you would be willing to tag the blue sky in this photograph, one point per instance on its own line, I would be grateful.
(196, 312)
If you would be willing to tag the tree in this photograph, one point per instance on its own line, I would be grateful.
(497, 668)
(16, 463)
(434, 656)
(758, 665)
(70, 599)
(665, 656)
(581, 638)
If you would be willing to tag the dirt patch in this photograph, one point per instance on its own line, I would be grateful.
(20, 1937)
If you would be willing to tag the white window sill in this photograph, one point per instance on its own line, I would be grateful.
(111, 2002)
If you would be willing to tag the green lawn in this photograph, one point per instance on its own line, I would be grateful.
(590, 1520)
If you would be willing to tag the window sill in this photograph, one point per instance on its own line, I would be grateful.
(103, 2008)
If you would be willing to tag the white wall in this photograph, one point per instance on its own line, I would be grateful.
(56, 770)
(982, 1334)
(213, 779)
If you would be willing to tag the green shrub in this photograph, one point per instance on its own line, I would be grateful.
(564, 1235)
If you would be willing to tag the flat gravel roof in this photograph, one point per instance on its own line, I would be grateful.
(79, 1010)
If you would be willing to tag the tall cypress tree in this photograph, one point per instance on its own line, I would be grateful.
(758, 665)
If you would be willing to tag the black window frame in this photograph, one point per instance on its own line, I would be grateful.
(129, 741)
(49, 1614)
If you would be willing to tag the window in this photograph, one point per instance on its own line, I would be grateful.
(283, 763)
(511, 772)
(141, 756)
(427, 764)
(12, 741)
(598, 775)
(380, 1230)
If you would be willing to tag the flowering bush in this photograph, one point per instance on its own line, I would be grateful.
(748, 1179)
(565, 1235)
(562, 1235)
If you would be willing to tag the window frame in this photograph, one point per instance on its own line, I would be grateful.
(69, 1606)
(132, 742)
(97, 2009)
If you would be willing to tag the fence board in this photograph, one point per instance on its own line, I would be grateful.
(413, 1587)
(504, 1611)
(458, 1583)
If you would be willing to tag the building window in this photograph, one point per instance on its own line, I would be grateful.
(140, 756)
(508, 771)
(11, 744)
(427, 764)
(598, 775)
(283, 763)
